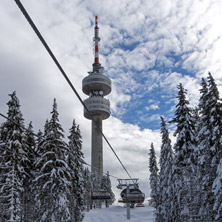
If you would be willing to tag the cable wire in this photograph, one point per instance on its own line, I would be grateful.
(18, 124)
(98, 170)
(28, 18)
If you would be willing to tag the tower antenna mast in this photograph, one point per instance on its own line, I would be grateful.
(96, 40)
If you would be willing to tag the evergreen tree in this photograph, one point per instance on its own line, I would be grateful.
(36, 172)
(39, 141)
(87, 189)
(202, 107)
(13, 156)
(217, 188)
(107, 186)
(166, 161)
(53, 182)
(75, 162)
(185, 159)
(215, 124)
(205, 154)
(95, 187)
(154, 177)
(28, 194)
(209, 144)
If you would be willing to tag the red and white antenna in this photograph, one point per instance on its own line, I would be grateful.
(96, 40)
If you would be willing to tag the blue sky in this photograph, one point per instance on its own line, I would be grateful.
(147, 48)
(146, 105)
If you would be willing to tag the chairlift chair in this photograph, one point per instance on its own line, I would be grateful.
(134, 196)
(131, 194)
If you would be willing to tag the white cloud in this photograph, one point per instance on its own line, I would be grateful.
(132, 145)
(152, 107)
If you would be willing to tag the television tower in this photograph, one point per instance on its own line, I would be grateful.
(96, 85)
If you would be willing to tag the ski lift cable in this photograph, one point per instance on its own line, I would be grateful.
(98, 170)
(19, 125)
(28, 18)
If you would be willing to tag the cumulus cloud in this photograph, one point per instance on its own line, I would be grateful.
(152, 107)
(132, 145)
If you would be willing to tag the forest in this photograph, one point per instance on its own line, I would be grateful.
(186, 185)
(43, 177)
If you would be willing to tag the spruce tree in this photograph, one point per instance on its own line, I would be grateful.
(217, 188)
(53, 182)
(185, 160)
(209, 144)
(154, 177)
(36, 173)
(87, 189)
(39, 141)
(165, 175)
(107, 186)
(28, 194)
(215, 124)
(13, 156)
(205, 155)
(75, 162)
(95, 187)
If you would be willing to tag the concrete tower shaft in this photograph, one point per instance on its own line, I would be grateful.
(97, 149)
(96, 85)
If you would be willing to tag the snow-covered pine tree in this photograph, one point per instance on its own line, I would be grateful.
(154, 177)
(75, 162)
(95, 186)
(210, 144)
(2, 171)
(36, 173)
(204, 154)
(202, 107)
(107, 186)
(217, 188)
(39, 140)
(12, 146)
(28, 205)
(87, 189)
(197, 199)
(166, 190)
(54, 180)
(1, 177)
(215, 126)
(185, 160)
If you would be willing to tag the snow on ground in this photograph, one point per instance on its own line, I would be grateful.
(118, 214)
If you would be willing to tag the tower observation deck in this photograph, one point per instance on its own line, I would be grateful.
(96, 85)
